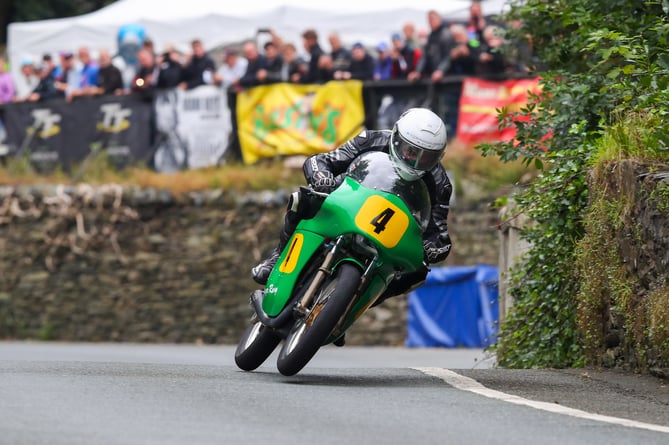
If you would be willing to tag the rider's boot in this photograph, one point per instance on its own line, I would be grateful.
(262, 271)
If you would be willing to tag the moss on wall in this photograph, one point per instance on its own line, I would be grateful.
(623, 264)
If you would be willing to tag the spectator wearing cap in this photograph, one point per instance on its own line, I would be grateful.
(46, 88)
(312, 47)
(404, 55)
(256, 68)
(341, 57)
(383, 64)
(54, 69)
(26, 83)
(198, 64)
(170, 70)
(362, 64)
(232, 69)
(69, 80)
(436, 58)
(7, 88)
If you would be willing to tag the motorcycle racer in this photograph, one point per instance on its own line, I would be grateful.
(416, 145)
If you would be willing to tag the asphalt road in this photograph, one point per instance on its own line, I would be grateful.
(53, 393)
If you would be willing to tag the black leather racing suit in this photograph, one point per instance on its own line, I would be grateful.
(438, 185)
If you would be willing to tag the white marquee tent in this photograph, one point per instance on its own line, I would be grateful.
(223, 22)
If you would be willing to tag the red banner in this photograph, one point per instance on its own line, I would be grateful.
(480, 103)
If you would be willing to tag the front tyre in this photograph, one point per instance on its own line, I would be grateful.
(257, 343)
(309, 333)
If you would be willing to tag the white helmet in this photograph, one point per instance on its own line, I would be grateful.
(417, 143)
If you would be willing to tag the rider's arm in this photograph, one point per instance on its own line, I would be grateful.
(437, 242)
(337, 161)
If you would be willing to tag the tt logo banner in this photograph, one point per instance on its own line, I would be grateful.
(114, 118)
(44, 123)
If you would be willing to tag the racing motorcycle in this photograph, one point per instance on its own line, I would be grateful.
(349, 245)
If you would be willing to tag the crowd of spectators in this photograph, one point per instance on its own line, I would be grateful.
(441, 49)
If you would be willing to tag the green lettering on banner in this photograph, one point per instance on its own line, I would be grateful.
(330, 130)
(311, 125)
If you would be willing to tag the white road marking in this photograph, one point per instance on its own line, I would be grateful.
(467, 384)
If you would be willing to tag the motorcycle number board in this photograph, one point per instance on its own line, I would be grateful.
(290, 261)
(382, 220)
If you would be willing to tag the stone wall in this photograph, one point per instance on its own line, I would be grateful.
(137, 265)
(624, 303)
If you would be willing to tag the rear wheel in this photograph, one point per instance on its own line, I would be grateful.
(257, 343)
(310, 332)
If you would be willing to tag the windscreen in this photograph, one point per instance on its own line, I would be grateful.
(375, 170)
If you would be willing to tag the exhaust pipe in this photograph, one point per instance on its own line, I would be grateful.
(271, 322)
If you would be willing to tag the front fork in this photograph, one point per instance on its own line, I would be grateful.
(301, 308)
(323, 271)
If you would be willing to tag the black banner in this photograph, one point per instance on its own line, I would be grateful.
(57, 133)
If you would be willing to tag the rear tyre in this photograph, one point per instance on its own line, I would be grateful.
(309, 333)
(257, 343)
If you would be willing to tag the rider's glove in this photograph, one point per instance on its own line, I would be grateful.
(437, 249)
(323, 181)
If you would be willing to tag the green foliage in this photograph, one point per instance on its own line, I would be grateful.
(658, 302)
(541, 330)
(604, 284)
(25, 10)
(605, 60)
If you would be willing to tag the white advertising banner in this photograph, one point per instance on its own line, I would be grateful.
(192, 128)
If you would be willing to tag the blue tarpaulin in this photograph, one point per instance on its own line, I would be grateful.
(456, 307)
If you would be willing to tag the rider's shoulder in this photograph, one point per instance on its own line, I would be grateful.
(372, 138)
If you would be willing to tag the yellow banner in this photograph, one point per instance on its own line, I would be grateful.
(288, 119)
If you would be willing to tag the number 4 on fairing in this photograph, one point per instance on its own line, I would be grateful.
(381, 220)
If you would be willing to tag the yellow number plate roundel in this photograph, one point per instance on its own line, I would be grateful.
(289, 263)
(382, 220)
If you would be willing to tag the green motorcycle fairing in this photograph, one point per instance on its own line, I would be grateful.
(372, 203)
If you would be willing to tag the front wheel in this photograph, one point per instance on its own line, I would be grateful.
(308, 334)
(257, 343)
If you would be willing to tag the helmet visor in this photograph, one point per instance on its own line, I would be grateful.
(415, 157)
